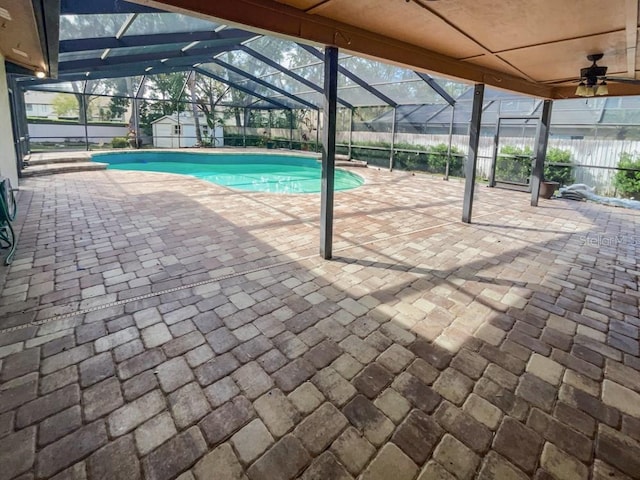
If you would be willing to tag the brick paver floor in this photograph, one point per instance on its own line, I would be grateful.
(157, 326)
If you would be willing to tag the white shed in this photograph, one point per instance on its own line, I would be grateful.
(173, 131)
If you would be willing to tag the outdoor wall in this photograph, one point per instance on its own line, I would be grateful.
(8, 166)
(163, 136)
(274, 133)
(43, 132)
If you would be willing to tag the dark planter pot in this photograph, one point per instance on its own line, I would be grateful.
(547, 189)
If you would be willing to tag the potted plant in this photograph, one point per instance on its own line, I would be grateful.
(556, 174)
(548, 188)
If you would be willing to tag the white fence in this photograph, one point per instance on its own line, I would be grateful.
(586, 152)
(279, 133)
(56, 133)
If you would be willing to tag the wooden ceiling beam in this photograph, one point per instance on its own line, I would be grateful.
(269, 17)
(632, 36)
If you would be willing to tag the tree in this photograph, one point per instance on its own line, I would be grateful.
(163, 94)
(65, 105)
(118, 107)
(93, 89)
(208, 93)
(168, 88)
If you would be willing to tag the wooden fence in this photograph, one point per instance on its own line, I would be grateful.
(590, 154)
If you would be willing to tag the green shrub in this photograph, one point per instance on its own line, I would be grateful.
(556, 173)
(236, 140)
(378, 156)
(628, 182)
(437, 160)
(432, 159)
(119, 142)
(514, 164)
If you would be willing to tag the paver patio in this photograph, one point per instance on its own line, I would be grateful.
(157, 326)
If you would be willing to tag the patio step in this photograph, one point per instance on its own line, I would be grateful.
(53, 168)
(63, 157)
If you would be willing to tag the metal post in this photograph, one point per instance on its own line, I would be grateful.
(244, 127)
(136, 121)
(453, 114)
(393, 137)
(179, 127)
(472, 158)
(494, 161)
(20, 122)
(86, 120)
(136, 106)
(350, 130)
(541, 151)
(270, 120)
(86, 113)
(290, 129)
(16, 121)
(318, 124)
(328, 150)
(24, 121)
(212, 134)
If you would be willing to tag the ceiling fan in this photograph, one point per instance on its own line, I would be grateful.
(590, 76)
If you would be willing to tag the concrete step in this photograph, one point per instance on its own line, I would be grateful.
(53, 168)
(58, 157)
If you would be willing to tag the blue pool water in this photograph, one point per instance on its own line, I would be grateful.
(255, 172)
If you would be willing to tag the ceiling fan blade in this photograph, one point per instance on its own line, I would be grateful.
(632, 81)
(562, 82)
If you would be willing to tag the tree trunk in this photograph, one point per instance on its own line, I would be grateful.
(194, 106)
(82, 109)
(132, 120)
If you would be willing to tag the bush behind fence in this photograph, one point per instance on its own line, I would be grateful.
(590, 153)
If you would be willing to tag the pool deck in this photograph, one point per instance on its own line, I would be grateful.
(159, 326)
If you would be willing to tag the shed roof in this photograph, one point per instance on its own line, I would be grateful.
(183, 119)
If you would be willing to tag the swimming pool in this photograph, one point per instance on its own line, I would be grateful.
(273, 173)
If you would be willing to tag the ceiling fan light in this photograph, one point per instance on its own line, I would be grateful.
(581, 91)
(589, 91)
(602, 89)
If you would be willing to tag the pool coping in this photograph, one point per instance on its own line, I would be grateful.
(88, 155)
(234, 151)
(214, 151)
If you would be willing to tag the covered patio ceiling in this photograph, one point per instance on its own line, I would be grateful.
(536, 48)
(106, 39)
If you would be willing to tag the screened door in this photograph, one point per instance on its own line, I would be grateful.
(514, 153)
